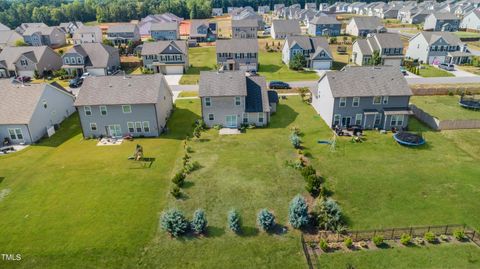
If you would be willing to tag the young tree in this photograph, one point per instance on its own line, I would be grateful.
(329, 215)
(298, 212)
(298, 62)
(199, 221)
(266, 219)
(234, 221)
(376, 58)
(20, 43)
(173, 221)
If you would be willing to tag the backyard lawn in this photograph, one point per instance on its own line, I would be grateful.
(444, 107)
(431, 71)
(201, 59)
(462, 34)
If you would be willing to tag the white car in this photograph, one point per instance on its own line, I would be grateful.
(86, 74)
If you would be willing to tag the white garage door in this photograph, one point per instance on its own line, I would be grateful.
(26, 73)
(322, 65)
(96, 72)
(392, 62)
(174, 70)
(436, 59)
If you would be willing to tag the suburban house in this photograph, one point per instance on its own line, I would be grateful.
(471, 21)
(87, 34)
(263, 10)
(245, 101)
(311, 6)
(95, 58)
(202, 31)
(237, 54)
(165, 31)
(217, 12)
(44, 36)
(315, 50)
(419, 17)
(283, 28)
(9, 38)
(70, 27)
(362, 26)
(388, 45)
(248, 14)
(23, 27)
(370, 97)
(146, 23)
(123, 33)
(166, 57)
(441, 21)
(324, 26)
(438, 47)
(30, 112)
(24, 61)
(113, 106)
(244, 28)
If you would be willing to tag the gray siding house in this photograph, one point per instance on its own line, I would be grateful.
(232, 99)
(87, 34)
(324, 26)
(95, 58)
(23, 27)
(123, 33)
(202, 31)
(244, 28)
(24, 61)
(441, 21)
(362, 26)
(114, 106)
(166, 57)
(388, 45)
(8, 38)
(369, 97)
(237, 54)
(44, 36)
(315, 50)
(28, 111)
(283, 28)
(471, 21)
(165, 31)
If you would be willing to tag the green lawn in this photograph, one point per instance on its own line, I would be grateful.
(201, 59)
(444, 107)
(431, 71)
(467, 34)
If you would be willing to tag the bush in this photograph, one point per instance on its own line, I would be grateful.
(323, 245)
(179, 179)
(175, 191)
(405, 239)
(329, 215)
(348, 242)
(234, 221)
(308, 171)
(190, 167)
(314, 184)
(298, 62)
(444, 237)
(298, 212)
(173, 221)
(377, 240)
(295, 140)
(199, 221)
(430, 237)
(459, 235)
(266, 219)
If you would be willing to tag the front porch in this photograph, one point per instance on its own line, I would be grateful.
(458, 57)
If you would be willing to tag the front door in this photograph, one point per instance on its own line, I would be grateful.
(346, 121)
(114, 130)
(231, 121)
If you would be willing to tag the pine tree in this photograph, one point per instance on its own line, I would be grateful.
(199, 221)
(173, 221)
(266, 220)
(234, 221)
(298, 212)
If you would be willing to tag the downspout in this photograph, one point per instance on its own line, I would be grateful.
(81, 126)
(156, 119)
(29, 134)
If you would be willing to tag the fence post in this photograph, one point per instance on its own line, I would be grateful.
(356, 236)
(393, 233)
(338, 237)
(428, 230)
(374, 233)
(446, 229)
(411, 229)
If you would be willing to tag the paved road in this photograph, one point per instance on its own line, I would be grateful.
(474, 51)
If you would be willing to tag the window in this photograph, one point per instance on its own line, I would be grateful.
(131, 127)
(15, 134)
(67, 60)
(211, 117)
(72, 60)
(126, 109)
(138, 127)
(385, 100)
(336, 119)
(93, 126)
(103, 110)
(260, 117)
(88, 110)
(146, 126)
(343, 102)
(208, 101)
(377, 100)
(378, 117)
(23, 62)
(79, 60)
(397, 120)
(358, 119)
(237, 101)
(245, 118)
(356, 101)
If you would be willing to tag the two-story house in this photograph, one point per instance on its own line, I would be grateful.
(315, 50)
(441, 21)
(369, 97)
(44, 36)
(70, 27)
(237, 54)
(113, 106)
(232, 99)
(202, 31)
(29, 112)
(263, 10)
(324, 26)
(165, 57)
(9, 38)
(438, 47)
(87, 34)
(244, 28)
(471, 21)
(123, 33)
(217, 12)
(146, 23)
(362, 26)
(165, 31)
(388, 45)
(24, 61)
(283, 28)
(23, 27)
(95, 58)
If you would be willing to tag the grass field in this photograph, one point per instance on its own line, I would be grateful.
(444, 107)
(461, 34)
(75, 205)
(431, 71)
(201, 59)
(471, 69)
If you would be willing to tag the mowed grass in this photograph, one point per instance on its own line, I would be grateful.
(444, 107)
(462, 34)
(201, 59)
(431, 71)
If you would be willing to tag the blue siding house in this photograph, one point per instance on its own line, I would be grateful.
(324, 26)
(315, 50)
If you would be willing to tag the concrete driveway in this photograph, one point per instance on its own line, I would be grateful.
(173, 79)
(461, 73)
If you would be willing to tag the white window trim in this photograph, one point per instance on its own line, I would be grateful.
(261, 116)
(396, 119)
(212, 118)
(138, 124)
(87, 109)
(353, 102)
(339, 119)
(385, 100)
(146, 125)
(245, 116)
(356, 119)
(106, 111)
(132, 125)
(93, 124)
(15, 133)
(209, 102)
(239, 101)
(380, 100)
(123, 109)
(344, 103)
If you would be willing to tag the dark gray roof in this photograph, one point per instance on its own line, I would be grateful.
(237, 45)
(194, 24)
(325, 20)
(309, 43)
(158, 47)
(122, 28)
(367, 22)
(164, 26)
(273, 97)
(245, 23)
(368, 81)
(98, 53)
(287, 26)
(257, 95)
(231, 83)
(11, 54)
(118, 90)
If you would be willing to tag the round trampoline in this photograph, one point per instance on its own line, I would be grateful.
(470, 102)
(409, 139)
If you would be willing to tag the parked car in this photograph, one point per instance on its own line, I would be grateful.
(24, 79)
(278, 85)
(86, 74)
(404, 71)
(448, 67)
(75, 83)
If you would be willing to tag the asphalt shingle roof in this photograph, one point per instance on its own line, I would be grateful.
(287, 26)
(158, 47)
(253, 23)
(231, 83)
(42, 30)
(11, 54)
(324, 20)
(445, 16)
(122, 28)
(257, 95)
(370, 23)
(98, 53)
(237, 46)
(164, 26)
(432, 37)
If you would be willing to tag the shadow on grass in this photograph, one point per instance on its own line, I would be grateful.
(270, 68)
(284, 117)
(69, 128)
(338, 65)
(249, 231)
(144, 163)
(213, 231)
(181, 124)
(188, 184)
(1, 179)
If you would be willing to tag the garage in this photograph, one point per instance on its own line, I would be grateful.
(25, 73)
(248, 67)
(96, 71)
(322, 65)
(174, 70)
(392, 62)
(436, 60)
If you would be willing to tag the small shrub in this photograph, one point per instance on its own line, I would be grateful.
(295, 140)
(377, 240)
(459, 235)
(308, 171)
(234, 221)
(266, 219)
(296, 130)
(217, 126)
(430, 237)
(173, 221)
(314, 184)
(405, 239)
(444, 237)
(298, 212)
(323, 245)
(199, 221)
(190, 167)
(179, 179)
(348, 242)
(175, 191)
(451, 93)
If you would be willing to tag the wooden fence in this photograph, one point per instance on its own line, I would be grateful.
(437, 124)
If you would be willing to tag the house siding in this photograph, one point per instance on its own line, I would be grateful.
(220, 108)
(164, 35)
(319, 29)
